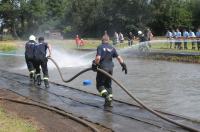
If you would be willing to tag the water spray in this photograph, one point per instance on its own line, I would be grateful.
(124, 89)
(9, 54)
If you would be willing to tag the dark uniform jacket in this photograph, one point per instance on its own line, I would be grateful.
(107, 52)
(29, 49)
(40, 51)
(142, 38)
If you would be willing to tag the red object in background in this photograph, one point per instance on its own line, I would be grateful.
(78, 41)
(82, 42)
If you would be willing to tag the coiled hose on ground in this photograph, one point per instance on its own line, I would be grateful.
(124, 89)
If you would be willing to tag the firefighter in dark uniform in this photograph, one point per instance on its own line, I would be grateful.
(142, 37)
(29, 55)
(103, 60)
(143, 43)
(41, 60)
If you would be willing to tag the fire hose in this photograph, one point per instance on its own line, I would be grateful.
(94, 129)
(126, 91)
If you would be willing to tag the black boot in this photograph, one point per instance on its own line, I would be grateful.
(39, 80)
(46, 83)
(32, 76)
(108, 102)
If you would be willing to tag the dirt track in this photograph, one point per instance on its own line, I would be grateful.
(46, 121)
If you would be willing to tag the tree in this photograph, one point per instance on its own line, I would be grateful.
(170, 14)
(9, 12)
(92, 17)
(194, 6)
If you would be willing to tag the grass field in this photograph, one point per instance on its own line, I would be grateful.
(7, 46)
(166, 47)
(93, 43)
(163, 46)
(11, 123)
(89, 43)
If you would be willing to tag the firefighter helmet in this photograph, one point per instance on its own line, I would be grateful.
(32, 37)
(139, 32)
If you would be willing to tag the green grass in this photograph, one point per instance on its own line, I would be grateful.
(12, 123)
(166, 47)
(7, 46)
(89, 43)
(187, 59)
(93, 44)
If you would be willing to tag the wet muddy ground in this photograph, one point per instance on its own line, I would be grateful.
(163, 85)
(122, 117)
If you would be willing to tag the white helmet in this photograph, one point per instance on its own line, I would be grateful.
(32, 37)
(139, 32)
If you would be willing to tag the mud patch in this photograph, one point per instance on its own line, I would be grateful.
(46, 121)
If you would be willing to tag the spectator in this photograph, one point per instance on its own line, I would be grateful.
(178, 39)
(169, 37)
(198, 38)
(78, 41)
(149, 36)
(115, 38)
(192, 36)
(121, 37)
(185, 37)
(82, 42)
(130, 38)
(174, 37)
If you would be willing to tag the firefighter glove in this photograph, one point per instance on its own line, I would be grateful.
(124, 68)
(94, 66)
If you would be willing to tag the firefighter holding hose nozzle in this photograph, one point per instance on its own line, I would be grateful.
(103, 60)
(41, 60)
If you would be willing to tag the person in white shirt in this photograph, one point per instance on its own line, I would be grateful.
(192, 37)
(169, 37)
(178, 39)
(174, 37)
(115, 38)
(185, 37)
(121, 37)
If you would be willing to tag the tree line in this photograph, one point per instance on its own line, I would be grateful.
(90, 18)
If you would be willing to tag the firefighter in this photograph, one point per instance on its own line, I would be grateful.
(41, 60)
(29, 55)
(143, 43)
(103, 60)
(142, 37)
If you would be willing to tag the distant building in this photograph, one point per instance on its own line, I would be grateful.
(54, 34)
